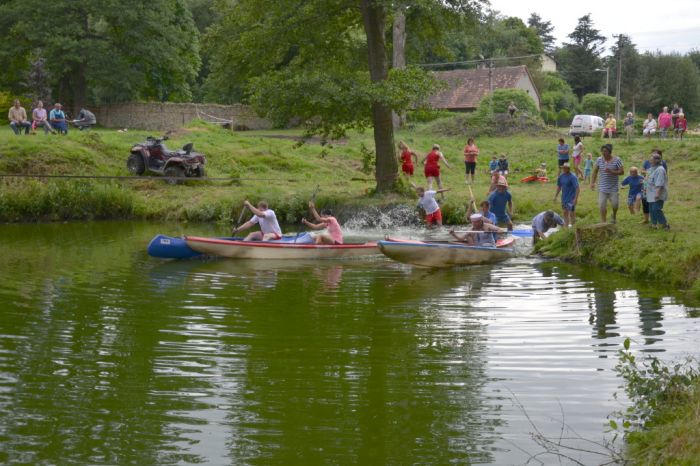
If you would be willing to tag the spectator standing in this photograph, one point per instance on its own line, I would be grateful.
(562, 154)
(657, 192)
(578, 156)
(17, 116)
(471, 152)
(567, 184)
(588, 167)
(675, 113)
(610, 168)
(628, 123)
(649, 126)
(665, 122)
(58, 119)
(40, 119)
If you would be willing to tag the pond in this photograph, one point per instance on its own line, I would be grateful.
(108, 356)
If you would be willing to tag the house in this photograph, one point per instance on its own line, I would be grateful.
(465, 88)
(548, 63)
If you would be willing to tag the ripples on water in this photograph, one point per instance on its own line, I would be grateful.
(110, 357)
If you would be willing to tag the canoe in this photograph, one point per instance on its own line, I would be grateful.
(533, 178)
(238, 249)
(170, 247)
(445, 254)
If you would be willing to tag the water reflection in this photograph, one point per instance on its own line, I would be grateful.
(107, 356)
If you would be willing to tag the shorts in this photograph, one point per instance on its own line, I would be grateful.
(504, 219)
(604, 197)
(633, 198)
(577, 160)
(407, 168)
(587, 172)
(435, 217)
(562, 161)
(470, 167)
(568, 206)
(645, 206)
(432, 171)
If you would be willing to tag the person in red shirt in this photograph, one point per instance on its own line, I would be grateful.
(432, 166)
(407, 157)
(681, 126)
(470, 154)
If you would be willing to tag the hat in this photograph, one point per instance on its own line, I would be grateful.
(502, 181)
(565, 165)
(475, 217)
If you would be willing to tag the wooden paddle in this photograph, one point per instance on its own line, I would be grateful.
(313, 198)
(238, 223)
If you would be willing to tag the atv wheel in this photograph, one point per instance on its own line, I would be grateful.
(135, 164)
(199, 172)
(173, 172)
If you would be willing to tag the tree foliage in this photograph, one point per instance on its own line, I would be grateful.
(579, 59)
(556, 94)
(544, 31)
(597, 104)
(500, 99)
(102, 50)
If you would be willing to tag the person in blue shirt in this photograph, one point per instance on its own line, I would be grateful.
(646, 166)
(635, 181)
(57, 118)
(568, 185)
(493, 165)
(562, 154)
(499, 200)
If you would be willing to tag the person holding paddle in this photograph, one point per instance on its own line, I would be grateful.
(481, 234)
(325, 220)
(266, 218)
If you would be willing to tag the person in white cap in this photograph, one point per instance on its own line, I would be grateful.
(481, 234)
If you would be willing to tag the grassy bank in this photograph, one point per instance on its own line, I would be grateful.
(270, 165)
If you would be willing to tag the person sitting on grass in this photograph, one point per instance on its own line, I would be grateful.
(481, 234)
(634, 197)
(325, 220)
(503, 165)
(541, 171)
(542, 222)
(269, 228)
(427, 202)
(498, 200)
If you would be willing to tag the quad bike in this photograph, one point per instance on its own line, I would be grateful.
(153, 156)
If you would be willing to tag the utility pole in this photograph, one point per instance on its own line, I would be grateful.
(490, 86)
(619, 75)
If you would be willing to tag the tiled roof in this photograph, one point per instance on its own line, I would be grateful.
(467, 87)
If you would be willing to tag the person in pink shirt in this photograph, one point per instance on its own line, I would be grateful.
(326, 220)
(665, 122)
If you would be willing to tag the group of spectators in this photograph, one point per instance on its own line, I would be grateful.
(673, 123)
(54, 122)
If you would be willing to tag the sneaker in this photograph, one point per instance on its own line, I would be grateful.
(613, 221)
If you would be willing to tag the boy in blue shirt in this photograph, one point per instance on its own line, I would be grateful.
(568, 185)
(493, 165)
(498, 200)
(635, 181)
(562, 154)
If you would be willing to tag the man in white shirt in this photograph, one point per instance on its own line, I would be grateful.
(427, 202)
(266, 218)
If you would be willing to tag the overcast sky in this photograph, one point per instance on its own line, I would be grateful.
(666, 26)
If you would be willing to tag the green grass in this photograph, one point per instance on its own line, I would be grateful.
(276, 169)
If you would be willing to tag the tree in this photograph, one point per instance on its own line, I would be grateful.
(579, 59)
(597, 104)
(104, 50)
(630, 86)
(326, 63)
(667, 79)
(544, 31)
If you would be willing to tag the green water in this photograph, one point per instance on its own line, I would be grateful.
(108, 356)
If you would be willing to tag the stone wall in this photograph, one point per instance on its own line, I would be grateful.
(169, 116)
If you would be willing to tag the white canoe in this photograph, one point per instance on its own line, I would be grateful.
(268, 250)
(445, 254)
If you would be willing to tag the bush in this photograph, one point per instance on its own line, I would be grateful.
(563, 118)
(597, 104)
(426, 115)
(5, 104)
(503, 97)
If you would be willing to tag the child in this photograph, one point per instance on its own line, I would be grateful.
(541, 172)
(503, 165)
(681, 126)
(493, 165)
(432, 167)
(427, 202)
(635, 182)
(587, 167)
(407, 157)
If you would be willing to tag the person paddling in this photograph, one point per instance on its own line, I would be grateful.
(325, 220)
(481, 234)
(266, 218)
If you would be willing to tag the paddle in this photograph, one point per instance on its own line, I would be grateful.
(238, 223)
(472, 201)
(524, 233)
(313, 198)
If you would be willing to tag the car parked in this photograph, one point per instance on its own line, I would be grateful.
(586, 125)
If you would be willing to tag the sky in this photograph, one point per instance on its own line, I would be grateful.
(652, 25)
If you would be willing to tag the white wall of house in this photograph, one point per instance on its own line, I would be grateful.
(548, 64)
(525, 84)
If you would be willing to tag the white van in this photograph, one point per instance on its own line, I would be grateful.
(586, 125)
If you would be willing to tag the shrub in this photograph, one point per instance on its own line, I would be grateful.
(503, 97)
(597, 104)
(5, 104)
(426, 115)
(563, 118)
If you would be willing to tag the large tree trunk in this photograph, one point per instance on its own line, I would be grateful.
(79, 89)
(386, 173)
(399, 48)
